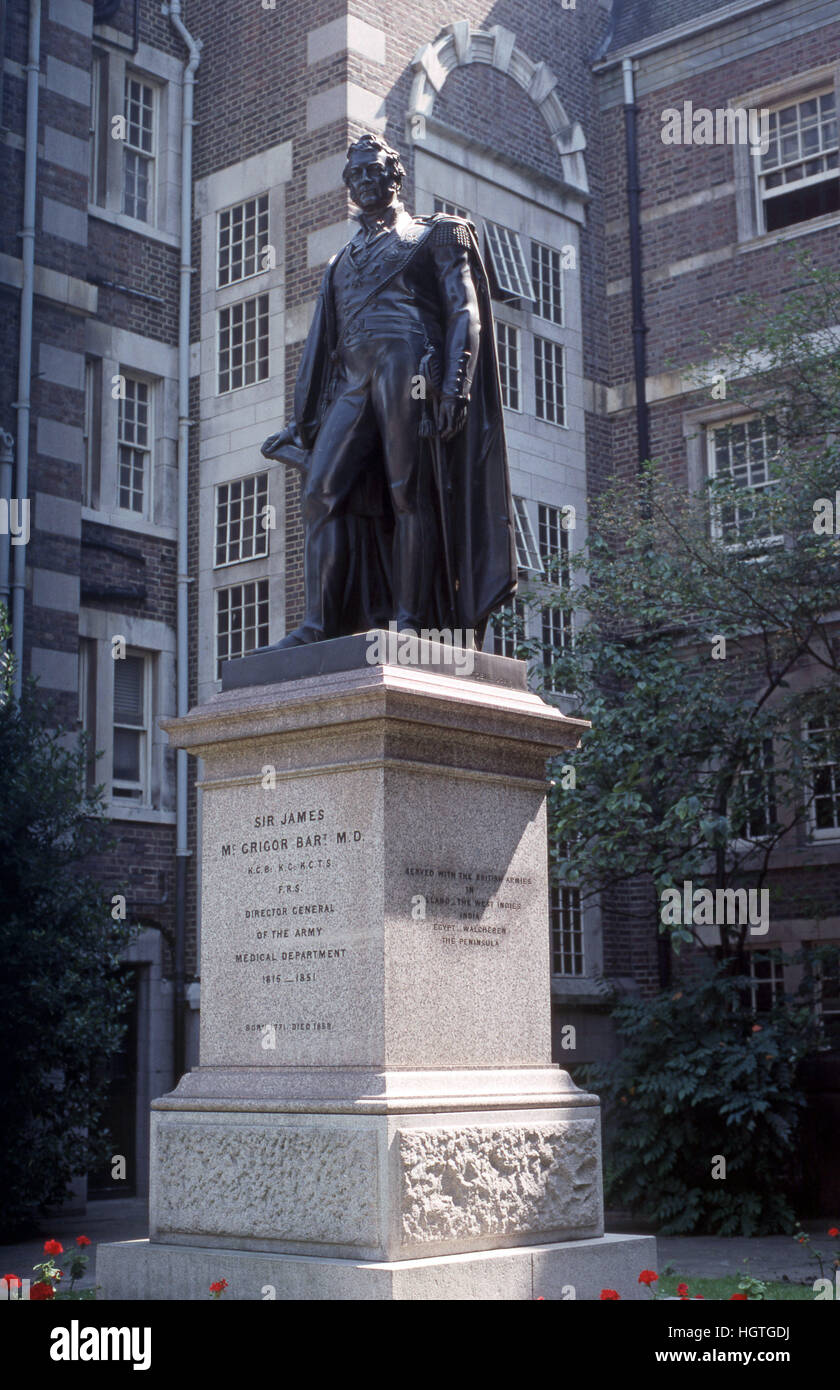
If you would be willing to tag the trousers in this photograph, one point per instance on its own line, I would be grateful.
(375, 413)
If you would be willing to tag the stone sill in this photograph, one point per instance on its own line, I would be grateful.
(132, 224)
(119, 811)
(797, 229)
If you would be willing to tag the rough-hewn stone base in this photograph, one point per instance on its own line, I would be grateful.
(139, 1270)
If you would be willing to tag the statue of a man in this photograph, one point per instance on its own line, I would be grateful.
(398, 425)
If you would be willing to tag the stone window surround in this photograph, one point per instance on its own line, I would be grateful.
(114, 350)
(165, 74)
(793, 88)
(234, 424)
(697, 422)
(459, 44)
(156, 640)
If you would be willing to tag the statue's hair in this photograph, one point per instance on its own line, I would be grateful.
(367, 143)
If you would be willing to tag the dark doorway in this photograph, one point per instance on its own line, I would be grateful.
(120, 1115)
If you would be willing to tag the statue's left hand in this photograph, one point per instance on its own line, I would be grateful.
(452, 416)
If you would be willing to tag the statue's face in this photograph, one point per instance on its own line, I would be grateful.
(369, 180)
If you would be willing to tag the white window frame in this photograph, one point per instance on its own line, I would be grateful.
(92, 428)
(260, 477)
(505, 253)
(556, 907)
(255, 198)
(143, 786)
(98, 82)
(510, 348)
(826, 832)
(747, 839)
(131, 74)
(233, 307)
(550, 516)
(561, 619)
(451, 209)
(776, 979)
(527, 551)
(259, 583)
(545, 348)
(507, 639)
(147, 510)
(762, 196)
(539, 250)
(717, 530)
(822, 1013)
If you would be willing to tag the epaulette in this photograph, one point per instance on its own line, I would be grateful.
(448, 231)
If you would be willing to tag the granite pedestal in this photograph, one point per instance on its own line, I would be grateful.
(375, 1114)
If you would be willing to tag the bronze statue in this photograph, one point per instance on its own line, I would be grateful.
(398, 425)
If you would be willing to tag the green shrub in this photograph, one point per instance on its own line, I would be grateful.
(701, 1076)
(61, 999)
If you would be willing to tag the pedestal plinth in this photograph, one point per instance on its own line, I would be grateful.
(375, 1113)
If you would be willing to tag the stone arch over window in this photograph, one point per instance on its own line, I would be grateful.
(458, 45)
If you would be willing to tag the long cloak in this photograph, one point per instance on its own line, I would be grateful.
(476, 508)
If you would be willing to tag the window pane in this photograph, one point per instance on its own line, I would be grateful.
(240, 511)
(243, 238)
(243, 344)
(548, 284)
(549, 383)
(507, 340)
(128, 690)
(508, 261)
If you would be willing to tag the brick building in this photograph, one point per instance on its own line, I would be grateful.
(148, 491)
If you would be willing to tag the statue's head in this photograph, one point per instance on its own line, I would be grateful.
(373, 173)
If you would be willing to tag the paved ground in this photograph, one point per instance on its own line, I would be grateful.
(122, 1218)
(770, 1257)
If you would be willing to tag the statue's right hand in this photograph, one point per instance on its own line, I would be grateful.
(280, 440)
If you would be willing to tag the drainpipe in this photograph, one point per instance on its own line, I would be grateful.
(636, 291)
(23, 404)
(7, 459)
(663, 944)
(173, 10)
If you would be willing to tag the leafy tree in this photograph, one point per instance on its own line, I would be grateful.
(61, 998)
(705, 653)
(706, 656)
(701, 1079)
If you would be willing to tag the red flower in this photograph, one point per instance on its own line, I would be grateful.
(648, 1276)
(609, 1294)
(833, 1231)
(53, 1247)
(219, 1286)
(12, 1280)
(41, 1291)
(739, 1298)
(82, 1240)
(682, 1290)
